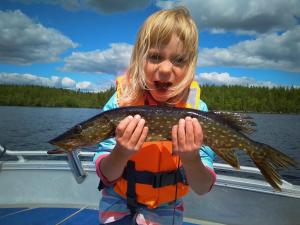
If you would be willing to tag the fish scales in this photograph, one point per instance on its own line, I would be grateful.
(224, 132)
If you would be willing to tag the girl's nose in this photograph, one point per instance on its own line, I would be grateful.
(165, 66)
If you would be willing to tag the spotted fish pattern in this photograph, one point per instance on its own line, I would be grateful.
(224, 132)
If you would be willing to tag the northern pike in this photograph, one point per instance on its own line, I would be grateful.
(224, 132)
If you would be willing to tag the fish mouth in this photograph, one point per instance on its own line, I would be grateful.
(57, 139)
(73, 131)
(162, 86)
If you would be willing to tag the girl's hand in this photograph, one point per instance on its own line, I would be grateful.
(130, 135)
(187, 138)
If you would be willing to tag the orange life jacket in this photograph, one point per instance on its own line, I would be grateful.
(152, 174)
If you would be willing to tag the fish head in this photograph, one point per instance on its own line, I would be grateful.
(85, 134)
(69, 140)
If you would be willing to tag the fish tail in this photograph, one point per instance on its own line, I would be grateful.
(268, 160)
(228, 155)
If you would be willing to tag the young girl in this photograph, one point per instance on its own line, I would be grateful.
(144, 182)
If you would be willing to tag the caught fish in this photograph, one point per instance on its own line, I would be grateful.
(224, 132)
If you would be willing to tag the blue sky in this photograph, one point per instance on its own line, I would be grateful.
(87, 43)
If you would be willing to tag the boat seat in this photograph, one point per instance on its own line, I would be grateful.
(48, 216)
(51, 216)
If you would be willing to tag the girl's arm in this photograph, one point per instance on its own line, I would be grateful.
(200, 177)
(130, 135)
(114, 153)
(187, 138)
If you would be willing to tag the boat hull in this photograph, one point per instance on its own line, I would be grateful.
(233, 200)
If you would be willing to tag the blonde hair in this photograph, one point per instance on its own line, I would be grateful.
(158, 30)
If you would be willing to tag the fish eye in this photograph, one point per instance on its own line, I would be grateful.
(77, 129)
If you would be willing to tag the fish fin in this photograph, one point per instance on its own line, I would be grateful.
(229, 156)
(270, 174)
(238, 121)
(269, 161)
(56, 151)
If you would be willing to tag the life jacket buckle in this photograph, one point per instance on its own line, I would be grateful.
(183, 176)
(164, 179)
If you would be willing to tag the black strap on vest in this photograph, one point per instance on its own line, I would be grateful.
(101, 185)
(131, 194)
(157, 180)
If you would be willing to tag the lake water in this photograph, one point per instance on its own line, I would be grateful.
(30, 128)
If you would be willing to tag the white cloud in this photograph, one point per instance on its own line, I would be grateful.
(67, 4)
(108, 6)
(88, 86)
(23, 41)
(67, 82)
(218, 15)
(110, 61)
(85, 85)
(219, 79)
(102, 6)
(257, 16)
(54, 81)
(29, 79)
(274, 51)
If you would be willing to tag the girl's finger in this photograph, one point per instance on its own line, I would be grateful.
(198, 132)
(181, 134)
(189, 131)
(122, 126)
(137, 132)
(174, 139)
(131, 127)
(142, 138)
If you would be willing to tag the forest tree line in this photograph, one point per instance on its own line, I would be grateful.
(229, 98)
(18, 95)
(252, 99)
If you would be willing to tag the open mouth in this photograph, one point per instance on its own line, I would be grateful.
(162, 86)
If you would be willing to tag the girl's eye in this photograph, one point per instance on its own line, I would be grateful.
(155, 58)
(179, 61)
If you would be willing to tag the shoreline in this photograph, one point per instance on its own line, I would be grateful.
(68, 107)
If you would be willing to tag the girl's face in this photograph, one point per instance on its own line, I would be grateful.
(165, 67)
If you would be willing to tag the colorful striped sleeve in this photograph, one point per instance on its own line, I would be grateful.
(105, 147)
(207, 154)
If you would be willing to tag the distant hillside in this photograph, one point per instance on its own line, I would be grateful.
(232, 98)
(252, 99)
(51, 97)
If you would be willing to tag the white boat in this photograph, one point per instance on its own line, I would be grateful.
(44, 191)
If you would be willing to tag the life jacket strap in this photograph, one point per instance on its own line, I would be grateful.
(131, 194)
(101, 185)
(157, 180)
